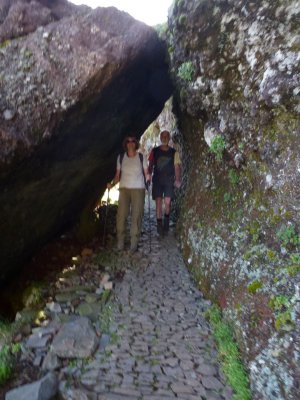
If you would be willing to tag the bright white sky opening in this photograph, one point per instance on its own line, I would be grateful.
(151, 12)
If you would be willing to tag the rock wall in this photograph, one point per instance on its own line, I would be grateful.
(70, 91)
(236, 68)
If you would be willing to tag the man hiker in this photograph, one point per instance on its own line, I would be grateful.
(164, 164)
(132, 173)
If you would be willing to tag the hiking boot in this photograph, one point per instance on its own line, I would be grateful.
(166, 223)
(160, 229)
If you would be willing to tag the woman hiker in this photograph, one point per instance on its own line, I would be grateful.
(132, 173)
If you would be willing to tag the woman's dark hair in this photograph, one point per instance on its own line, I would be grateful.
(124, 144)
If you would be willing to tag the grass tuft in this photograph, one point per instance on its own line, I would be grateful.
(229, 355)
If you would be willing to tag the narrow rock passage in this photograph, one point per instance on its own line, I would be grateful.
(163, 347)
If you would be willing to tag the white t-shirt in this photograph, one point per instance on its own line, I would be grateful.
(131, 172)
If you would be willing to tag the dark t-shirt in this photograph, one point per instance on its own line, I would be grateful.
(163, 165)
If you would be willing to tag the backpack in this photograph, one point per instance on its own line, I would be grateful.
(141, 160)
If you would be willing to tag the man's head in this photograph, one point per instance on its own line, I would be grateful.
(165, 137)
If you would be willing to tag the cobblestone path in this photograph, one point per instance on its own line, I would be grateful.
(162, 348)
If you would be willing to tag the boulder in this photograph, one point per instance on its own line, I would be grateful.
(18, 18)
(70, 91)
(44, 389)
(75, 339)
(236, 68)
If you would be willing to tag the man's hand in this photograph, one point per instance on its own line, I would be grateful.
(177, 183)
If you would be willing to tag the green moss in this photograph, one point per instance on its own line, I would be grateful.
(254, 230)
(179, 4)
(241, 146)
(271, 255)
(105, 296)
(287, 235)
(254, 286)
(281, 305)
(233, 177)
(293, 270)
(186, 71)
(294, 267)
(295, 47)
(284, 321)
(182, 20)
(4, 44)
(106, 318)
(217, 146)
(282, 127)
(114, 338)
(295, 258)
(227, 197)
(229, 355)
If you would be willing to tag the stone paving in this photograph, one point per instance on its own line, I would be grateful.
(150, 341)
(163, 348)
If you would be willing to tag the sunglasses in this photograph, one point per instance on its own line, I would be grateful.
(130, 141)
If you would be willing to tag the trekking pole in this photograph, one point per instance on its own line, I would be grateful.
(105, 218)
(148, 189)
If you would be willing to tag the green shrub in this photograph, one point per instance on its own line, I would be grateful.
(7, 361)
(5, 364)
(32, 295)
(186, 71)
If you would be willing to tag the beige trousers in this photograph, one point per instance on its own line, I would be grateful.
(130, 200)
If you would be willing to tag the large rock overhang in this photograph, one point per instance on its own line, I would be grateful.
(45, 185)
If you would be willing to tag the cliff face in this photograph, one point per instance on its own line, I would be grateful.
(71, 89)
(236, 67)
